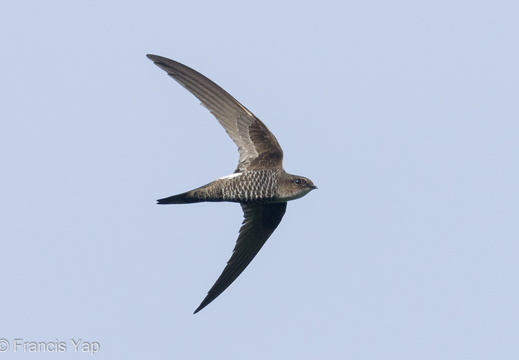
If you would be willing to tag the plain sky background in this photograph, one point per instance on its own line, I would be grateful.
(404, 113)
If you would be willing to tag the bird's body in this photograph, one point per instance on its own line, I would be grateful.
(259, 184)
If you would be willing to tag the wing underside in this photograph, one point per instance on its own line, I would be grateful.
(258, 147)
(260, 221)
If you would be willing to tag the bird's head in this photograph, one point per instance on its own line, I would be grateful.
(295, 186)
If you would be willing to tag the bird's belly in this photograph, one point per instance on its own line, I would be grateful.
(251, 186)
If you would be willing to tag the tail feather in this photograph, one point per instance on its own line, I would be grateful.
(183, 198)
(207, 192)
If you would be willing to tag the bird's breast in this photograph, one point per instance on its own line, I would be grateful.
(250, 186)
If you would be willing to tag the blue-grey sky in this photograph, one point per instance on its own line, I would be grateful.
(404, 113)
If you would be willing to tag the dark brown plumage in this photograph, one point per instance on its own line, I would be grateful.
(259, 184)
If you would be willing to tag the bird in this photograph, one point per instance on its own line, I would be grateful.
(259, 184)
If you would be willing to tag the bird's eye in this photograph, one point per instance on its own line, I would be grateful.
(300, 181)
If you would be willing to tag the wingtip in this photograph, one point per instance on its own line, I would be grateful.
(202, 305)
(152, 57)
